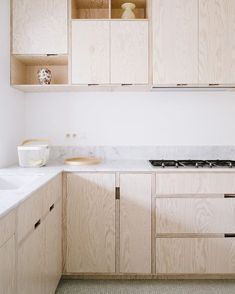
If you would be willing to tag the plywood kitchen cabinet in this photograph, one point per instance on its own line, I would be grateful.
(7, 254)
(90, 52)
(30, 265)
(129, 52)
(39, 243)
(53, 248)
(195, 215)
(175, 42)
(195, 256)
(216, 41)
(39, 27)
(135, 223)
(7, 268)
(90, 223)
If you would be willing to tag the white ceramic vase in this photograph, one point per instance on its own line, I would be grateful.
(128, 10)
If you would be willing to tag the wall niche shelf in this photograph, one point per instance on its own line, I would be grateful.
(106, 9)
(24, 69)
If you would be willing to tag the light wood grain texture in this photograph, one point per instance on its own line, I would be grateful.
(29, 213)
(90, 52)
(30, 264)
(7, 267)
(53, 193)
(195, 183)
(53, 249)
(175, 41)
(7, 227)
(216, 41)
(195, 216)
(135, 223)
(129, 52)
(198, 256)
(39, 27)
(91, 223)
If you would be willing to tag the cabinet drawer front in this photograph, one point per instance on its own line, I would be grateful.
(199, 215)
(195, 256)
(195, 183)
(53, 192)
(29, 213)
(7, 227)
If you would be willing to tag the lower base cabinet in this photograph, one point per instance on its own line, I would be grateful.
(195, 256)
(90, 223)
(7, 268)
(31, 263)
(53, 249)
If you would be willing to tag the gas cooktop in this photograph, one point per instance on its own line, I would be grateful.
(193, 163)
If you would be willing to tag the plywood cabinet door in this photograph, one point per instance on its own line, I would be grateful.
(39, 27)
(216, 41)
(53, 248)
(175, 42)
(195, 256)
(30, 264)
(90, 52)
(90, 223)
(135, 223)
(7, 267)
(129, 52)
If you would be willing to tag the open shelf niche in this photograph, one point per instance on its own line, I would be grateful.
(141, 11)
(24, 69)
(106, 9)
(90, 9)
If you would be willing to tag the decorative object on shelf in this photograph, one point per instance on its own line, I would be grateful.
(128, 10)
(44, 76)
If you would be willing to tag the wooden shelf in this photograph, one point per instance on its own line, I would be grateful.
(24, 69)
(90, 9)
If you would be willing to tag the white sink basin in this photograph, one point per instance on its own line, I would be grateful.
(15, 182)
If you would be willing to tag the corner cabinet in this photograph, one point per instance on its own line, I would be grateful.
(39, 27)
(90, 223)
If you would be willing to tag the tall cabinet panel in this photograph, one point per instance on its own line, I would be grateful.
(39, 27)
(90, 52)
(135, 223)
(129, 52)
(90, 223)
(217, 41)
(175, 42)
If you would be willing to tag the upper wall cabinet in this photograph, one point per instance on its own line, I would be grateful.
(90, 52)
(175, 42)
(39, 27)
(129, 52)
(216, 41)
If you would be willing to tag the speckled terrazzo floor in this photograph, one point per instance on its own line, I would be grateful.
(148, 287)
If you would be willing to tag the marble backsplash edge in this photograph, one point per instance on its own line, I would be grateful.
(59, 153)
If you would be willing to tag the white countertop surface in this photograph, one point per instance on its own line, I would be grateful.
(11, 199)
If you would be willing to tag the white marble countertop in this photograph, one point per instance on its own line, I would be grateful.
(11, 199)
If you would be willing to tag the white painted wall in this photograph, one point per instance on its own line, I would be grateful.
(158, 118)
(11, 101)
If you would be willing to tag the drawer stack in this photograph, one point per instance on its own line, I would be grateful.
(195, 223)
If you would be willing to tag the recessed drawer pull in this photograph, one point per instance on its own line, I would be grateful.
(52, 207)
(117, 193)
(37, 224)
(229, 235)
(229, 195)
